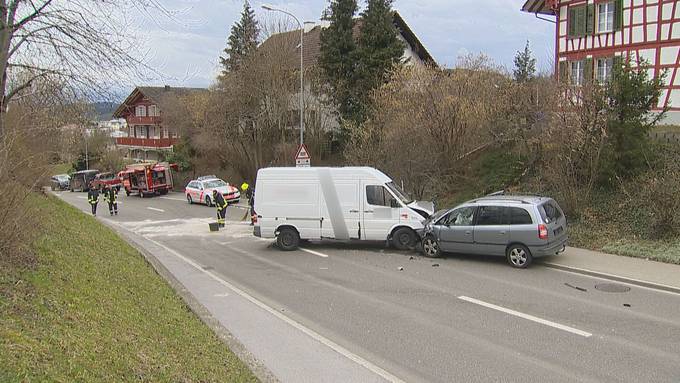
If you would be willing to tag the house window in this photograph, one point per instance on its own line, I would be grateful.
(604, 69)
(577, 68)
(140, 111)
(153, 111)
(605, 17)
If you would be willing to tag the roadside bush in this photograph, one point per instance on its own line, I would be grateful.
(660, 193)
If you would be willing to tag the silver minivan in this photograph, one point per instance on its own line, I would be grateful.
(519, 228)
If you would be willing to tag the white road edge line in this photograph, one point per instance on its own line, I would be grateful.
(154, 209)
(309, 332)
(322, 255)
(527, 316)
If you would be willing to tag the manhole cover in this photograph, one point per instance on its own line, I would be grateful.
(612, 288)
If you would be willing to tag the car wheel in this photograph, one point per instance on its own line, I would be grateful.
(404, 239)
(208, 201)
(288, 239)
(127, 192)
(431, 247)
(519, 256)
(189, 199)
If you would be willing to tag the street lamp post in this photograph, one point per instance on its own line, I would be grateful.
(302, 68)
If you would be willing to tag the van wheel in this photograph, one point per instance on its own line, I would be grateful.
(519, 256)
(431, 247)
(404, 239)
(288, 239)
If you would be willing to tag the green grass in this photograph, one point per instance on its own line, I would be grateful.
(93, 310)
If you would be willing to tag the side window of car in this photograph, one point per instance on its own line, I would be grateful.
(459, 217)
(379, 196)
(519, 216)
(490, 215)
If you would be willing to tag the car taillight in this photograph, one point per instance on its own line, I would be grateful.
(542, 231)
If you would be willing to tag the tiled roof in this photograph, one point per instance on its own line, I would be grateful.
(537, 6)
(312, 41)
(158, 94)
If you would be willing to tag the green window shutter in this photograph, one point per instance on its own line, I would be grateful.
(564, 71)
(590, 19)
(588, 70)
(572, 22)
(618, 15)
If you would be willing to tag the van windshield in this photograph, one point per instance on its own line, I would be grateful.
(402, 195)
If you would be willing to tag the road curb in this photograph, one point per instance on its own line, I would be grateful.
(617, 278)
(258, 368)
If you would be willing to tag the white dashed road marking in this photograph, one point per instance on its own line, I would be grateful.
(322, 255)
(527, 317)
(174, 199)
(154, 209)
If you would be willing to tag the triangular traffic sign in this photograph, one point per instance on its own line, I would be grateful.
(302, 153)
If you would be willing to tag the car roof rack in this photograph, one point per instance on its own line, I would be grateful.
(494, 194)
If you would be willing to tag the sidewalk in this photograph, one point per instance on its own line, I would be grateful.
(663, 276)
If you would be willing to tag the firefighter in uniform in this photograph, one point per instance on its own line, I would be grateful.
(245, 188)
(93, 199)
(111, 197)
(221, 204)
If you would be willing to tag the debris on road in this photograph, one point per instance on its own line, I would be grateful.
(411, 258)
(435, 265)
(400, 268)
(576, 287)
(626, 305)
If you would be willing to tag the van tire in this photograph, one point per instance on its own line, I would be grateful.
(518, 256)
(288, 239)
(404, 238)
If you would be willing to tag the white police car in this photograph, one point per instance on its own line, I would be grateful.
(200, 191)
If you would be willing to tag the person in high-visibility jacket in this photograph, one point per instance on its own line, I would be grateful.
(93, 199)
(111, 197)
(221, 204)
(249, 192)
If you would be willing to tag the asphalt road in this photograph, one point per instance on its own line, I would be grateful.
(456, 319)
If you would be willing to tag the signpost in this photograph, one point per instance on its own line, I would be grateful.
(302, 158)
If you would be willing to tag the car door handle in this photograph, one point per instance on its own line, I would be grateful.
(368, 211)
(468, 232)
(354, 211)
(502, 233)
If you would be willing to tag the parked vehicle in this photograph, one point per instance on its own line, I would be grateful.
(80, 181)
(109, 179)
(200, 190)
(519, 228)
(60, 182)
(335, 203)
(147, 179)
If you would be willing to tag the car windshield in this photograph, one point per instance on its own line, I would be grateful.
(214, 184)
(402, 195)
(435, 217)
(62, 177)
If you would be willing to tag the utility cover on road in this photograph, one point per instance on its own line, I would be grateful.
(302, 158)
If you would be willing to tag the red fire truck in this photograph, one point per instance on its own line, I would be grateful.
(148, 178)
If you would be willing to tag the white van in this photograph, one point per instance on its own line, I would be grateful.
(351, 203)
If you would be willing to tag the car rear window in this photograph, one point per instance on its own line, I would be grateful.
(550, 212)
(519, 216)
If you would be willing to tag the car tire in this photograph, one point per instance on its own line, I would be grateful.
(127, 193)
(519, 256)
(430, 247)
(208, 202)
(404, 239)
(288, 239)
(191, 202)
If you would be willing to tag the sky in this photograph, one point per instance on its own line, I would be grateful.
(184, 43)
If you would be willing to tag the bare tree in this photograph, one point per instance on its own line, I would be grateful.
(85, 44)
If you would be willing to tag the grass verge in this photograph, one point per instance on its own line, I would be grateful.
(93, 310)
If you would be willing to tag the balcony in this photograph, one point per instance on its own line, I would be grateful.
(149, 120)
(152, 143)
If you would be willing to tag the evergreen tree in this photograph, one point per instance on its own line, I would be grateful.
(379, 50)
(525, 65)
(242, 41)
(337, 56)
